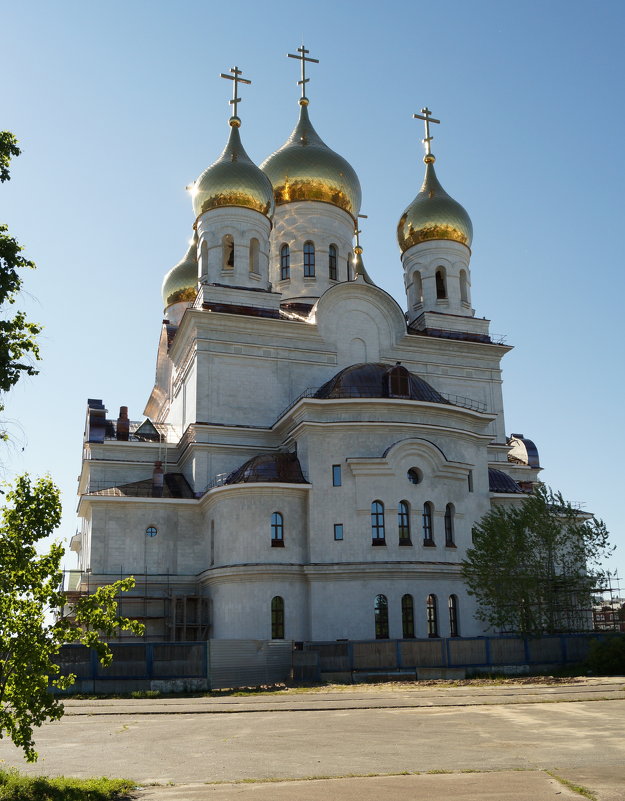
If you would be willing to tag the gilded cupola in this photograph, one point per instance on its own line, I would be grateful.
(433, 214)
(180, 283)
(305, 168)
(233, 180)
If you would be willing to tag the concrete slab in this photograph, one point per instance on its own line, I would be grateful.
(500, 786)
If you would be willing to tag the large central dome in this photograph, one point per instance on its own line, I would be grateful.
(305, 168)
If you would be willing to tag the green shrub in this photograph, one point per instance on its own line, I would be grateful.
(607, 658)
(15, 787)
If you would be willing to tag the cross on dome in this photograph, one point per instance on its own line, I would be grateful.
(303, 58)
(236, 78)
(426, 116)
(358, 231)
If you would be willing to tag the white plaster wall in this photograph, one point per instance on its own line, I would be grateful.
(321, 223)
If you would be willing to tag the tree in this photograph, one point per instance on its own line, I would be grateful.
(532, 567)
(18, 345)
(30, 589)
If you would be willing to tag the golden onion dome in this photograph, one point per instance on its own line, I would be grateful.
(433, 214)
(180, 283)
(305, 168)
(233, 180)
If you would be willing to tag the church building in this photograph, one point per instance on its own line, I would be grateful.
(313, 454)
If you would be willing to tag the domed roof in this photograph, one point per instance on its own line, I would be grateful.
(180, 283)
(283, 467)
(233, 180)
(433, 214)
(305, 168)
(378, 380)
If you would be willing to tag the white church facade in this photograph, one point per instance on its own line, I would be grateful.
(312, 457)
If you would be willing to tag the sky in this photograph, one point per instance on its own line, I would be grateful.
(118, 106)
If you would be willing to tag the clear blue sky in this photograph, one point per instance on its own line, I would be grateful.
(118, 106)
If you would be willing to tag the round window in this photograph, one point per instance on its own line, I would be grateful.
(151, 531)
(415, 476)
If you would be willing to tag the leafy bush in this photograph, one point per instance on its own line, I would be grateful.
(607, 658)
(15, 787)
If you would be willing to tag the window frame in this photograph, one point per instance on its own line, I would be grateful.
(378, 523)
(285, 262)
(440, 282)
(277, 530)
(452, 603)
(227, 252)
(333, 263)
(254, 256)
(432, 615)
(277, 618)
(403, 523)
(338, 532)
(380, 617)
(337, 475)
(450, 513)
(428, 524)
(407, 617)
(309, 259)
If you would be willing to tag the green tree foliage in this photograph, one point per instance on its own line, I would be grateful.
(532, 567)
(18, 345)
(35, 620)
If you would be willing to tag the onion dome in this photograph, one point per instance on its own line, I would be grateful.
(433, 214)
(180, 283)
(233, 180)
(378, 380)
(305, 168)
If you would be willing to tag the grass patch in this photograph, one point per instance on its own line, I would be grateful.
(145, 694)
(15, 787)
(577, 788)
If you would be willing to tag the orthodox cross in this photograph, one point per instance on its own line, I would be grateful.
(357, 230)
(426, 116)
(303, 58)
(236, 77)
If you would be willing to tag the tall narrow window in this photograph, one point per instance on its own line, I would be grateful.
(336, 475)
(377, 523)
(309, 260)
(277, 530)
(338, 531)
(432, 616)
(380, 613)
(470, 480)
(203, 258)
(464, 287)
(254, 256)
(277, 618)
(428, 533)
(441, 287)
(418, 289)
(407, 616)
(449, 525)
(453, 616)
(285, 263)
(403, 523)
(227, 248)
(398, 382)
(349, 268)
(332, 263)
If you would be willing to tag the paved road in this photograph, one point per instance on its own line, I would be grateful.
(198, 742)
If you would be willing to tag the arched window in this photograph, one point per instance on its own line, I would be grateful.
(203, 257)
(285, 263)
(464, 287)
(449, 525)
(377, 523)
(432, 616)
(309, 260)
(277, 618)
(415, 476)
(407, 616)
(380, 613)
(428, 532)
(453, 616)
(398, 382)
(403, 522)
(441, 286)
(349, 268)
(277, 530)
(227, 247)
(332, 263)
(418, 288)
(254, 255)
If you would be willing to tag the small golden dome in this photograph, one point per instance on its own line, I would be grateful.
(433, 214)
(233, 180)
(305, 168)
(180, 283)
